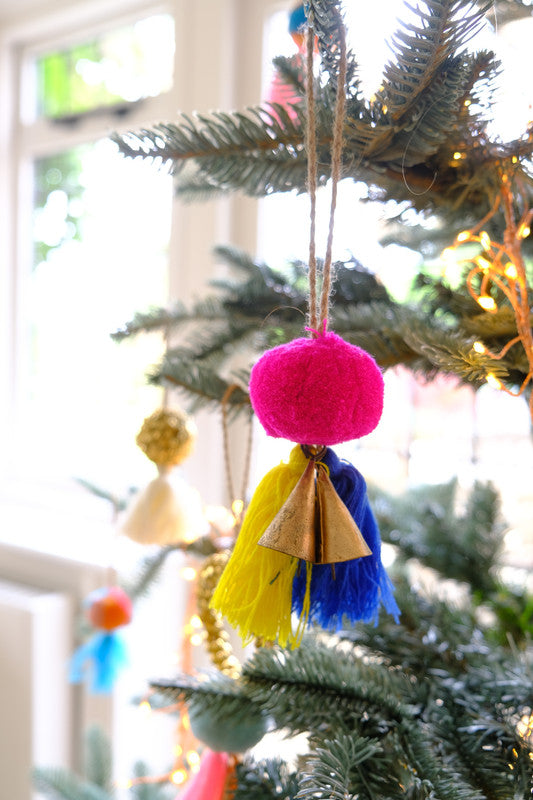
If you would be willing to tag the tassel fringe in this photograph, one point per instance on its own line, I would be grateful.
(255, 590)
(357, 588)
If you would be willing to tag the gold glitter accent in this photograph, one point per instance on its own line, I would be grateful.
(217, 638)
(167, 437)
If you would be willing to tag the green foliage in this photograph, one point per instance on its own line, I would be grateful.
(424, 523)
(96, 784)
(262, 306)
(62, 784)
(59, 784)
(377, 732)
(424, 709)
(432, 105)
(269, 780)
(117, 503)
(340, 768)
(98, 762)
(58, 173)
(427, 709)
(149, 791)
(463, 545)
(150, 567)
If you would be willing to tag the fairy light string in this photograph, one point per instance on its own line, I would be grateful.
(501, 264)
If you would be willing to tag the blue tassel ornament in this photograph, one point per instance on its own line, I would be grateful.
(354, 590)
(102, 657)
(99, 661)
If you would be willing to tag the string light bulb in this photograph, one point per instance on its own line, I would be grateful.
(483, 263)
(493, 381)
(193, 758)
(479, 347)
(237, 507)
(125, 783)
(485, 240)
(178, 777)
(511, 272)
(487, 302)
(188, 573)
(463, 236)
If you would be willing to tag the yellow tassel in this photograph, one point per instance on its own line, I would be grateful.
(255, 590)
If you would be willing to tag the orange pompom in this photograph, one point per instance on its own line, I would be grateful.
(109, 608)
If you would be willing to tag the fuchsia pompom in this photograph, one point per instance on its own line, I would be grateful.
(320, 391)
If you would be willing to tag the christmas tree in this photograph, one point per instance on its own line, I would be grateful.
(439, 703)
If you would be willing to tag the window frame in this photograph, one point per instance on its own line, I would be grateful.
(234, 41)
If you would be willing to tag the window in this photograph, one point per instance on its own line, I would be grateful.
(88, 239)
(123, 65)
(92, 252)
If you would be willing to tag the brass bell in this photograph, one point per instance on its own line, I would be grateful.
(314, 524)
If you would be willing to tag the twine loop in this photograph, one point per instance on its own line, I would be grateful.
(319, 304)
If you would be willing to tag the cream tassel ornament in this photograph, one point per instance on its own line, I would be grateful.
(168, 510)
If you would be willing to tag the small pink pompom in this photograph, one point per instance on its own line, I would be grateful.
(319, 391)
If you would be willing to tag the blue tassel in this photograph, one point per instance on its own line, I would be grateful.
(355, 589)
(100, 660)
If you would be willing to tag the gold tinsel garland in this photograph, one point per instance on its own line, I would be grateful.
(217, 638)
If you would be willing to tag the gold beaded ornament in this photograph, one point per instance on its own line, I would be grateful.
(167, 437)
(168, 510)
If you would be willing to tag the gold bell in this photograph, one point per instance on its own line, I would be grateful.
(314, 524)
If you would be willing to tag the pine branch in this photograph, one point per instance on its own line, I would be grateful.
(262, 307)
(150, 567)
(424, 524)
(201, 385)
(222, 698)
(466, 734)
(326, 18)
(404, 740)
(342, 767)
(149, 791)
(401, 143)
(154, 319)
(60, 784)
(267, 780)
(422, 48)
(118, 503)
(291, 72)
(98, 758)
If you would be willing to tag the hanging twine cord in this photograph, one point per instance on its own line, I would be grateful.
(318, 321)
(311, 177)
(227, 458)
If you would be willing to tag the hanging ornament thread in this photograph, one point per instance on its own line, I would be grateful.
(309, 543)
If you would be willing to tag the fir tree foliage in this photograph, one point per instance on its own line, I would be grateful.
(428, 709)
(433, 332)
(402, 142)
(377, 732)
(460, 544)
(96, 783)
(270, 780)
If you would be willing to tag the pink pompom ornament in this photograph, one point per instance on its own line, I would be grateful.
(317, 391)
